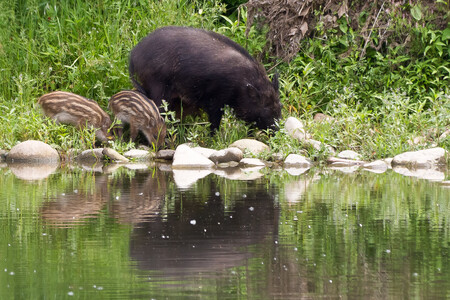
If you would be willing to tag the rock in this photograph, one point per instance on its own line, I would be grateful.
(114, 155)
(184, 179)
(295, 129)
(349, 154)
(137, 166)
(33, 152)
(297, 160)
(421, 159)
(165, 154)
(187, 158)
(425, 173)
(320, 117)
(445, 134)
(230, 164)
(232, 173)
(378, 166)
(35, 171)
(252, 162)
(139, 154)
(347, 169)
(250, 145)
(319, 145)
(90, 156)
(206, 152)
(227, 155)
(336, 162)
(251, 173)
(277, 156)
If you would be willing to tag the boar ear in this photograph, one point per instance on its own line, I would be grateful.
(275, 83)
(252, 91)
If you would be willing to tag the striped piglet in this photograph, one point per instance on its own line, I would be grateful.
(141, 113)
(73, 109)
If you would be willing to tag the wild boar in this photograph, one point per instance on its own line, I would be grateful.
(204, 70)
(141, 113)
(73, 109)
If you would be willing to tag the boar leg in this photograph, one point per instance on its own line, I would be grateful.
(133, 131)
(214, 116)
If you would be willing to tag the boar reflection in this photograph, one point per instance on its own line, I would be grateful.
(128, 199)
(201, 236)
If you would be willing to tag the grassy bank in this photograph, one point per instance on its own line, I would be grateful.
(380, 101)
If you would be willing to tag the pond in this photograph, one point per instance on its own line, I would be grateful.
(128, 233)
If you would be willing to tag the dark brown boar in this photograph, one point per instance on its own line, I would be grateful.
(204, 70)
(73, 109)
(141, 113)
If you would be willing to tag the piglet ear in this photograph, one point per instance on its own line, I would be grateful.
(275, 83)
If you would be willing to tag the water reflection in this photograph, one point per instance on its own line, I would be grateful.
(204, 235)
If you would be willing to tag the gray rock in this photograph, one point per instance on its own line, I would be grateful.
(114, 155)
(349, 154)
(33, 152)
(252, 162)
(421, 159)
(227, 155)
(295, 129)
(165, 154)
(90, 156)
(187, 158)
(250, 145)
(34, 171)
(297, 160)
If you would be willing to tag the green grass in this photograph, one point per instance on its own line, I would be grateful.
(380, 102)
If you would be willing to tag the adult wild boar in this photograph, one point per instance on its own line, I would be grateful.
(204, 70)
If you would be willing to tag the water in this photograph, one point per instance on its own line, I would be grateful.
(153, 234)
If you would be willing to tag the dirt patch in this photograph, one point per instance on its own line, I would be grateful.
(290, 21)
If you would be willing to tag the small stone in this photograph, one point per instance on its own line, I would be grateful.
(349, 154)
(139, 154)
(90, 156)
(227, 155)
(336, 162)
(250, 145)
(297, 160)
(295, 129)
(114, 155)
(252, 162)
(378, 166)
(165, 154)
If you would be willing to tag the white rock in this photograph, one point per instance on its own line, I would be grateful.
(349, 154)
(250, 145)
(335, 161)
(206, 152)
(297, 160)
(252, 162)
(295, 129)
(33, 152)
(319, 145)
(187, 158)
(421, 159)
(227, 155)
